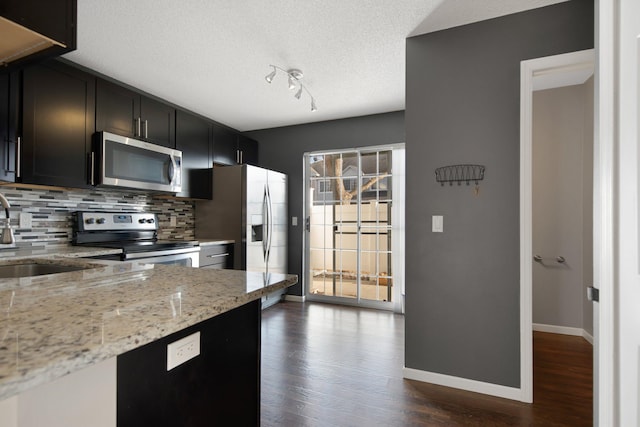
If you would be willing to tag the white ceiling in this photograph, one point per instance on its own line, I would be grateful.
(211, 56)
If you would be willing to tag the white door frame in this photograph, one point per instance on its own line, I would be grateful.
(536, 74)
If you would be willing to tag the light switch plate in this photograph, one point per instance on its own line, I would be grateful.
(182, 350)
(437, 224)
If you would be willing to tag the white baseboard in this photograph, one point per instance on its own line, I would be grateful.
(464, 384)
(294, 298)
(564, 330)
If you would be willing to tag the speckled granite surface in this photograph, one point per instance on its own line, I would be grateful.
(55, 251)
(56, 324)
(205, 242)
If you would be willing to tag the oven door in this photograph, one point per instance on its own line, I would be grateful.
(188, 259)
(127, 162)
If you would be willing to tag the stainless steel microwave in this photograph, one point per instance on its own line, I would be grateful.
(118, 161)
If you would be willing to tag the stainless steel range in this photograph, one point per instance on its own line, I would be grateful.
(136, 233)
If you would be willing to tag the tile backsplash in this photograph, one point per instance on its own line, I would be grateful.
(51, 212)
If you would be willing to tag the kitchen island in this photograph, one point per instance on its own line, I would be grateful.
(58, 324)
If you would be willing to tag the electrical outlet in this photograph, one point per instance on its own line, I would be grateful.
(25, 220)
(173, 221)
(182, 350)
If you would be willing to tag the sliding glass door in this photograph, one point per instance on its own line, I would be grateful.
(354, 231)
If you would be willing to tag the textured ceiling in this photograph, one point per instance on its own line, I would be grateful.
(211, 56)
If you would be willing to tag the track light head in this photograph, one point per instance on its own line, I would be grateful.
(313, 105)
(271, 75)
(298, 93)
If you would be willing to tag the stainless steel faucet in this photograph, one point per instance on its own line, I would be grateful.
(7, 232)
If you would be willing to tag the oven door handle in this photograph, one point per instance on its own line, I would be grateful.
(138, 255)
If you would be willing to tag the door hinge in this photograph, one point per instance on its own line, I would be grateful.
(593, 294)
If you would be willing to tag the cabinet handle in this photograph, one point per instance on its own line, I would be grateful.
(92, 171)
(241, 162)
(146, 129)
(18, 157)
(238, 156)
(218, 255)
(137, 130)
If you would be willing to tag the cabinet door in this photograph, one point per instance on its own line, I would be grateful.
(248, 149)
(51, 18)
(58, 113)
(219, 387)
(55, 19)
(192, 138)
(117, 109)
(225, 146)
(9, 113)
(158, 122)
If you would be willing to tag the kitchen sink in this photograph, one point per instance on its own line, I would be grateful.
(13, 271)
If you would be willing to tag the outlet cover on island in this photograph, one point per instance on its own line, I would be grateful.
(294, 221)
(437, 224)
(182, 350)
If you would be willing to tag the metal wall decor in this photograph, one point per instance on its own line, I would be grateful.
(459, 174)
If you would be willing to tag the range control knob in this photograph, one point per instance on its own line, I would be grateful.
(89, 220)
(150, 221)
(101, 220)
(141, 221)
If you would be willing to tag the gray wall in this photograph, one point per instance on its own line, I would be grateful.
(463, 106)
(562, 203)
(282, 149)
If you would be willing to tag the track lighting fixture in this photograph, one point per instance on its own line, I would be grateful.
(294, 77)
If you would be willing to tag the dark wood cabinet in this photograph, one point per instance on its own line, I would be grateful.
(125, 112)
(216, 256)
(9, 111)
(193, 138)
(58, 113)
(55, 19)
(233, 148)
(220, 387)
(248, 150)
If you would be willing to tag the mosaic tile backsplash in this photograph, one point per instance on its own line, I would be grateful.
(51, 212)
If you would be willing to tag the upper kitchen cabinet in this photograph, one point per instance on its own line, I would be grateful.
(33, 30)
(58, 116)
(247, 150)
(193, 138)
(9, 97)
(125, 112)
(232, 148)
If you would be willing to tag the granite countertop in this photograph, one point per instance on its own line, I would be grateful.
(18, 253)
(55, 324)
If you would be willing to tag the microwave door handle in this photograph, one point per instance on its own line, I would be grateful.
(172, 169)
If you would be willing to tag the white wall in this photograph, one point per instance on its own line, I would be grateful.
(562, 204)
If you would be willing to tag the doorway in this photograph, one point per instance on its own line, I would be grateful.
(354, 235)
(546, 74)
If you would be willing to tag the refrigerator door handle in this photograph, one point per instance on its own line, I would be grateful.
(269, 223)
(265, 214)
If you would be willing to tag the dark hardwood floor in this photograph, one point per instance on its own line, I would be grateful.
(328, 365)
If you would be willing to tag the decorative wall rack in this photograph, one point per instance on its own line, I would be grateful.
(459, 174)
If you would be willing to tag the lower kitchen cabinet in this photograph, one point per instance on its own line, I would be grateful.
(193, 138)
(216, 256)
(58, 121)
(221, 386)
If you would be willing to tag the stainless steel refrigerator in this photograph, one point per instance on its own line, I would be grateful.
(249, 206)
